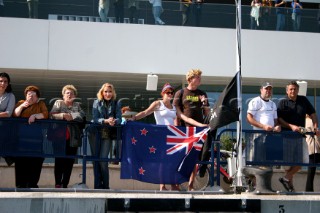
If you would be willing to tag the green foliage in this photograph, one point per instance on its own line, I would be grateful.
(226, 142)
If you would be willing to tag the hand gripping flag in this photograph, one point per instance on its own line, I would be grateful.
(225, 110)
(154, 153)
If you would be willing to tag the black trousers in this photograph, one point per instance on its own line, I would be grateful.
(28, 170)
(63, 167)
(314, 158)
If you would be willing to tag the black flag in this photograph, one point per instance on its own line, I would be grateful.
(225, 110)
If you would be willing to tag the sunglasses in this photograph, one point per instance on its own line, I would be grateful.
(169, 93)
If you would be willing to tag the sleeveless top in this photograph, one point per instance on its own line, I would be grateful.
(165, 116)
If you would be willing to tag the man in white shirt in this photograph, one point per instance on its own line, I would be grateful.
(262, 115)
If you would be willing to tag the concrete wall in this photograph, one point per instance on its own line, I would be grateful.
(47, 179)
(106, 47)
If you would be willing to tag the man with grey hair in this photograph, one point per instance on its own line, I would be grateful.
(292, 111)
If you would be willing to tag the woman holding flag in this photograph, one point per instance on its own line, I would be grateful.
(165, 114)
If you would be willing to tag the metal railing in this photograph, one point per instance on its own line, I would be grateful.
(212, 15)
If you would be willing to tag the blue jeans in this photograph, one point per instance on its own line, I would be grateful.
(296, 22)
(157, 10)
(100, 148)
(281, 21)
(103, 13)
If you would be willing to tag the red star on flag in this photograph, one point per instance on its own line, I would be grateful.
(141, 171)
(144, 132)
(133, 141)
(152, 149)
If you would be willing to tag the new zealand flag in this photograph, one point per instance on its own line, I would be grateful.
(160, 154)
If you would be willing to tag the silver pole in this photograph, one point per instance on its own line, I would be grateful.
(239, 175)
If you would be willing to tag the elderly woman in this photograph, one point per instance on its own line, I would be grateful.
(69, 110)
(7, 98)
(106, 111)
(28, 169)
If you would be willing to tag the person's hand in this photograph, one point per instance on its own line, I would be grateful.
(267, 128)
(67, 117)
(295, 128)
(277, 128)
(25, 104)
(32, 118)
(203, 125)
(111, 121)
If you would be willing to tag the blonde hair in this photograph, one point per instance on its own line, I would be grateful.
(69, 87)
(100, 93)
(193, 73)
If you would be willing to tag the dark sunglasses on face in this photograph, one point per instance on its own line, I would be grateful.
(169, 93)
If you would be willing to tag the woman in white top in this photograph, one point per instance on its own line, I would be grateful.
(165, 114)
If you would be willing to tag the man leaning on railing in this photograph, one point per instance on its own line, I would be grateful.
(262, 115)
(292, 111)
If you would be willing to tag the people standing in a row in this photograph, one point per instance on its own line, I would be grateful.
(70, 110)
(28, 169)
(106, 111)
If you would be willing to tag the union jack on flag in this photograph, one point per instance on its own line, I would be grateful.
(155, 153)
(185, 140)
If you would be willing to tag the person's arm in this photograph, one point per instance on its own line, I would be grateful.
(118, 113)
(277, 126)
(279, 4)
(257, 124)
(10, 106)
(43, 114)
(19, 107)
(192, 121)
(155, 105)
(96, 115)
(314, 119)
(55, 112)
(287, 125)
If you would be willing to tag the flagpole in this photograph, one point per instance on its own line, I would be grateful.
(239, 176)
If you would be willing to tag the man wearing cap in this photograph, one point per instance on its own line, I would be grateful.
(262, 115)
(262, 111)
(292, 111)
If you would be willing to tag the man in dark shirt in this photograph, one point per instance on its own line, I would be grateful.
(193, 103)
(292, 112)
